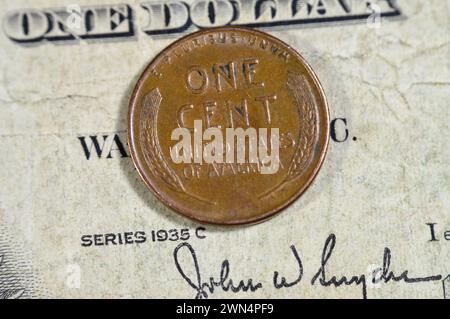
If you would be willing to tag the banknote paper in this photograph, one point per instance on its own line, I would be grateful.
(76, 221)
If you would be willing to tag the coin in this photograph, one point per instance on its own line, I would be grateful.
(228, 126)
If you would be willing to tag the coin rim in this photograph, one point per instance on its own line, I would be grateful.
(171, 203)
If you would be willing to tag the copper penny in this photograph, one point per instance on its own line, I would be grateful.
(228, 126)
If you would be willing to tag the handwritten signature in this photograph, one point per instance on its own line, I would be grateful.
(321, 277)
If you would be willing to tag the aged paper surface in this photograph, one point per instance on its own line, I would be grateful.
(68, 183)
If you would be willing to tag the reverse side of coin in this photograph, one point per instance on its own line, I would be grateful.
(228, 126)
